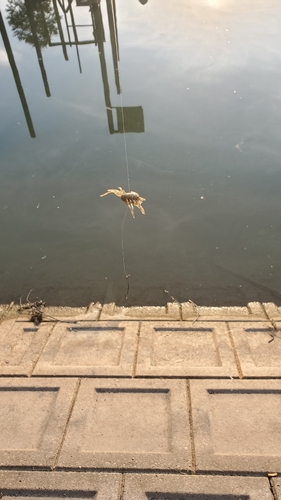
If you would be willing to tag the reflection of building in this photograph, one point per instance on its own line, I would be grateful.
(120, 119)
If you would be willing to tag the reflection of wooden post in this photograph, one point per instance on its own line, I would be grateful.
(62, 6)
(75, 34)
(16, 77)
(60, 30)
(37, 46)
(99, 39)
(114, 41)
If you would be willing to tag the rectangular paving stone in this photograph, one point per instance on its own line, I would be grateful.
(89, 348)
(91, 312)
(59, 485)
(128, 424)
(272, 311)
(8, 312)
(253, 311)
(21, 343)
(33, 416)
(169, 312)
(185, 349)
(178, 487)
(237, 425)
(203, 313)
(258, 347)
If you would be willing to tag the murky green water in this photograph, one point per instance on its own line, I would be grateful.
(201, 94)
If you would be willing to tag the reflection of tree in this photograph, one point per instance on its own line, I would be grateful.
(43, 17)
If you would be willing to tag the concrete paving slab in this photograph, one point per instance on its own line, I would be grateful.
(272, 310)
(8, 311)
(258, 348)
(91, 312)
(237, 425)
(186, 349)
(135, 424)
(177, 487)
(21, 343)
(3, 308)
(89, 348)
(112, 312)
(276, 483)
(33, 416)
(254, 310)
(59, 485)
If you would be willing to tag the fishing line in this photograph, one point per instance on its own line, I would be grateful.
(127, 276)
(125, 142)
(131, 198)
(122, 109)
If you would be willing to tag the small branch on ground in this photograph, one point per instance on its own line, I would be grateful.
(37, 309)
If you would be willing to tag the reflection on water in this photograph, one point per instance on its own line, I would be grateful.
(13, 65)
(207, 159)
(36, 22)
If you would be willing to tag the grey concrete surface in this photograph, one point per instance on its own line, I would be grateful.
(237, 425)
(57, 485)
(170, 349)
(141, 403)
(113, 312)
(86, 348)
(276, 484)
(272, 311)
(125, 424)
(258, 347)
(21, 344)
(254, 310)
(33, 416)
(178, 487)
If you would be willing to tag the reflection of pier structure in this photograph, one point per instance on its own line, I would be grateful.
(120, 119)
(129, 119)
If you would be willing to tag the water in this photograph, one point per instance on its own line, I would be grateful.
(200, 84)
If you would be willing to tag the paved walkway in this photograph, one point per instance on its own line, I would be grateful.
(173, 403)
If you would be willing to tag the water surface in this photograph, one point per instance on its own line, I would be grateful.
(199, 82)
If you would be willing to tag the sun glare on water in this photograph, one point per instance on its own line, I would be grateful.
(213, 3)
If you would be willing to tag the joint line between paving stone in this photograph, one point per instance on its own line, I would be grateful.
(273, 489)
(137, 352)
(180, 311)
(265, 312)
(191, 431)
(67, 421)
(6, 310)
(99, 313)
(238, 365)
(249, 310)
(122, 487)
(271, 320)
(43, 347)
